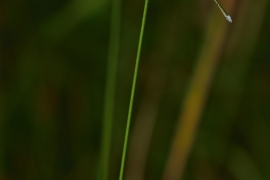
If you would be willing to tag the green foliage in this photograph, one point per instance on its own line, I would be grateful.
(53, 74)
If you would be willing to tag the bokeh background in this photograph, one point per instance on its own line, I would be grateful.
(203, 85)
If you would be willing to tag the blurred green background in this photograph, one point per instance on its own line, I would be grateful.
(53, 59)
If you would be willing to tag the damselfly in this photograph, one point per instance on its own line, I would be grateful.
(227, 16)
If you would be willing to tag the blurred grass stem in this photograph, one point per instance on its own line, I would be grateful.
(113, 56)
(189, 118)
(133, 91)
(154, 90)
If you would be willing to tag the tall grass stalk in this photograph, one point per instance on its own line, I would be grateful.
(196, 98)
(133, 91)
(110, 87)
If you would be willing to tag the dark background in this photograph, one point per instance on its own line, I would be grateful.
(53, 57)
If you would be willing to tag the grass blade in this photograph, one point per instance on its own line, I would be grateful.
(133, 91)
(189, 117)
(110, 87)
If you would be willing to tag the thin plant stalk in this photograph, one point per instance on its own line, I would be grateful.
(133, 91)
(110, 87)
(196, 98)
(149, 105)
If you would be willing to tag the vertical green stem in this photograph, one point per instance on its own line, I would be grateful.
(109, 99)
(133, 91)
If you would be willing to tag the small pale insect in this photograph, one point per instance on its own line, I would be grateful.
(227, 16)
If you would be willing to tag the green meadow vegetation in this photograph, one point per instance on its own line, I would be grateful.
(134, 90)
